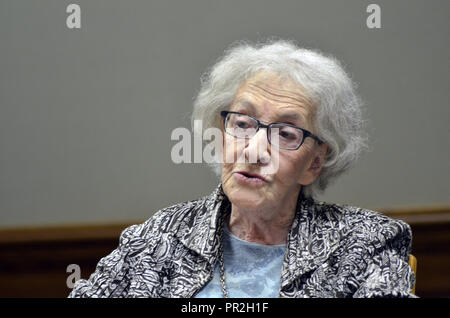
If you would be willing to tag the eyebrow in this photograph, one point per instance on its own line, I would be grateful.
(288, 115)
(291, 116)
(246, 103)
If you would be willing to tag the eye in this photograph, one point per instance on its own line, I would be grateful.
(289, 133)
(241, 124)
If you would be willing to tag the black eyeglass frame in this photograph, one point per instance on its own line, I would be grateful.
(306, 133)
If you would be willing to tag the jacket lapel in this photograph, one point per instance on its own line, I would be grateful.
(311, 240)
(200, 234)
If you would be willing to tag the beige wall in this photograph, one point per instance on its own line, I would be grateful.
(86, 115)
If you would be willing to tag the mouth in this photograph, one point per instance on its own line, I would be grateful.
(252, 176)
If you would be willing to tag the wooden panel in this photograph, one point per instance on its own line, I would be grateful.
(33, 261)
(431, 247)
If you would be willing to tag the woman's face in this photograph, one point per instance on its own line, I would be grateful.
(270, 99)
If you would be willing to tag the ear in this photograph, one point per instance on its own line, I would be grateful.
(315, 166)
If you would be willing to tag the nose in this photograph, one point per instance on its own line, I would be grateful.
(257, 149)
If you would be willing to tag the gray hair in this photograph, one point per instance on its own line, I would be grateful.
(338, 118)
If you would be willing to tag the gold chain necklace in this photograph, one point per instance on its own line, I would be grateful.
(221, 263)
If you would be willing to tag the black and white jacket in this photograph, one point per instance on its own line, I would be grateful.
(331, 251)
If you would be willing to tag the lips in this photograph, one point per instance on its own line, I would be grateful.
(252, 175)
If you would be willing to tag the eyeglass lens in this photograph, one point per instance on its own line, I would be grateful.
(283, 136)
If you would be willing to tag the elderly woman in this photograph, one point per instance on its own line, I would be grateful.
(291, 123)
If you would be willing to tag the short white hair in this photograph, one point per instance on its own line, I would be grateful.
(338, 118)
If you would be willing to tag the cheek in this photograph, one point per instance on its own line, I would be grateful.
(228, 144)
(228, 157)
(226, 172)
(291, 168)
(232, 149)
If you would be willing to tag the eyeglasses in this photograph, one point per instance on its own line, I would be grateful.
(283, 136)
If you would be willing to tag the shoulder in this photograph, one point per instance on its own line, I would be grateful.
(357, 218)
(164, 222)
(115, 271)
(364, 225)
(369, 250)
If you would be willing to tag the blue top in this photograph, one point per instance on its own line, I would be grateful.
(251, 270)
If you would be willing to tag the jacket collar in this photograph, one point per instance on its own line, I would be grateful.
(312, 238)
(200, 232)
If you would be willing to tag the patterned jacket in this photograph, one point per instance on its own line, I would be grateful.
(331, 251)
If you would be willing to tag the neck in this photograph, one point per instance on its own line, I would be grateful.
(263, 226)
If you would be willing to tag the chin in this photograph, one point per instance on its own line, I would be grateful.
(246, 198)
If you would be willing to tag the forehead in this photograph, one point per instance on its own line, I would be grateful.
(268, 94)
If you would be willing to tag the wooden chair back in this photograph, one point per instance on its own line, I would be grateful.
(413, 264)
